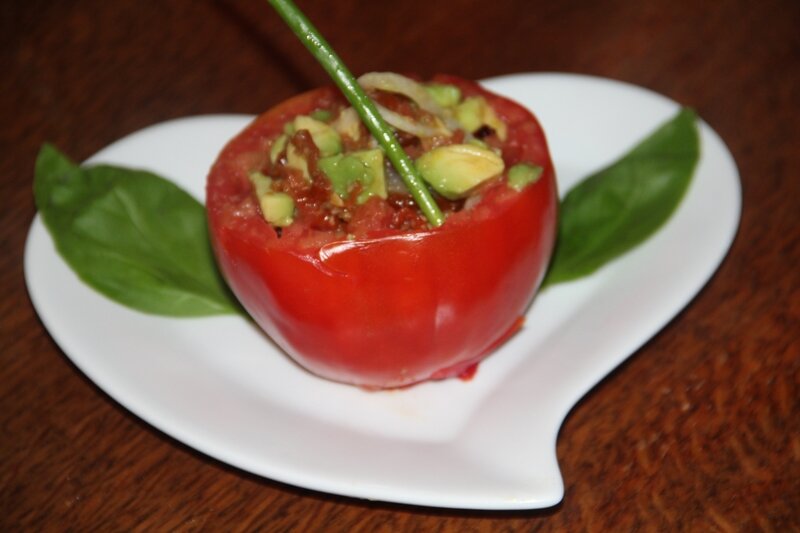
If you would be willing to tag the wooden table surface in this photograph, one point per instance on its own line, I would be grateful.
(698, 431)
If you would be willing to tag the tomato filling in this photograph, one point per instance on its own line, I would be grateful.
(325, 173)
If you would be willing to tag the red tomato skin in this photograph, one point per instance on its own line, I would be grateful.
(399, 308)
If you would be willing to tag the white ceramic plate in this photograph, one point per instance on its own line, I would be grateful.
(220, 386)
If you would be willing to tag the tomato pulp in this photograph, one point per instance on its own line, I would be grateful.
(391, 308)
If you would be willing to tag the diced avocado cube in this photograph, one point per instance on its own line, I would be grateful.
(278, 145)
(277, 208)
(295, 160)
(444, 94)
(523, 174)
(475, 112)
(364, 167)
(348, 123)
(454, 170)
(324, 136)
(343, 171)
(375, 184)
(261, 183)
(469, 114)
(323, 115)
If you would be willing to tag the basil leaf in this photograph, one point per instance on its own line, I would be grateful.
(617, 208)
(133, 236)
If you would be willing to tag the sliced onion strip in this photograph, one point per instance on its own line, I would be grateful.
(404, 123)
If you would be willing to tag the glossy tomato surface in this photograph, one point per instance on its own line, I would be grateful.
(393, 308)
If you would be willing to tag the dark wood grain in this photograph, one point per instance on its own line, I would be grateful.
(698, 431)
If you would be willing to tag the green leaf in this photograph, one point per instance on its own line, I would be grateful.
(617, 208)
(133, 236)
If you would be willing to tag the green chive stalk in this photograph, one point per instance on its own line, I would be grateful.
(333, 65)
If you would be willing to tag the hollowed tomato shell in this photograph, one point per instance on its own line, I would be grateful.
(395, 308)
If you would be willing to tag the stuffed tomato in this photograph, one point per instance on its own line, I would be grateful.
(321, 242)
